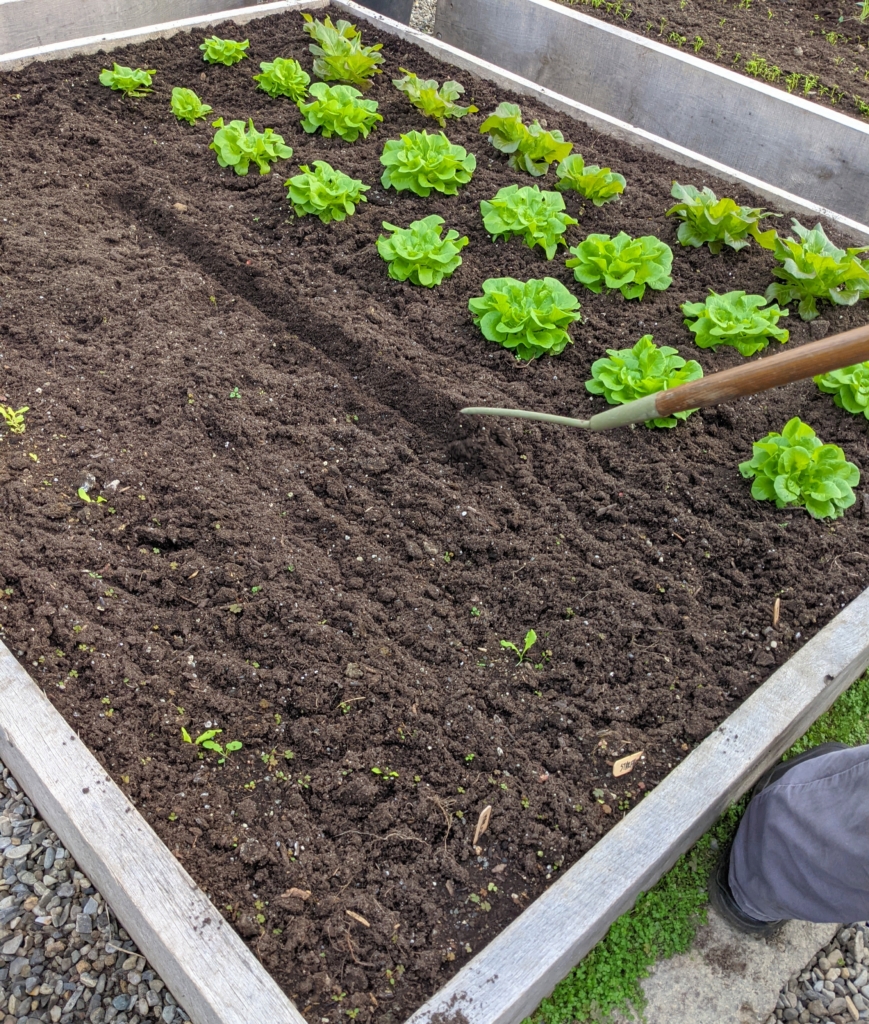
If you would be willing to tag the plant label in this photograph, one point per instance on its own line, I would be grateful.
(625, 765)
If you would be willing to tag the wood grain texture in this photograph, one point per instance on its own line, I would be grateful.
(207, 967)
(817, 357)
(521, 966)
(804, 148)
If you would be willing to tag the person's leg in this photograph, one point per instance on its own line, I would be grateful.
(802, 847)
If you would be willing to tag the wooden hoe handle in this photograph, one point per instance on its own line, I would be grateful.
(751, 378)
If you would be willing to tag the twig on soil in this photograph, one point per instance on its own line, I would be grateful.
(445, 811)
(389, 835)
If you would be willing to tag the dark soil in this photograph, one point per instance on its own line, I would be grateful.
(809, 48)
(325, 565)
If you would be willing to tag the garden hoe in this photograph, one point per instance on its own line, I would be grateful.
(810, 360)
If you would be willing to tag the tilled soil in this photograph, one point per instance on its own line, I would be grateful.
(809, 48)
(304, 545)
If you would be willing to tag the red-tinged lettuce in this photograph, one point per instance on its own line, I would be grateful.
(238, 146)
(421, 162)
(599, 184)
(418, 252)
(187, 106)
(130, 81)
(528, 317)
(630, 373)
(812, 268)
(734, 319)
(283, 77)
(849, 388)
(339, 55)
(536, 216)
(628, 264)
(223, 51)
(339, 110)
(794, 468)
(529, 147)
(708, 220)
(325, 192)
(434, 101)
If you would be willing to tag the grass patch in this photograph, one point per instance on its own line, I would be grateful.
(665, 919)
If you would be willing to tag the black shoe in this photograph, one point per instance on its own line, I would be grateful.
(775, 773)
(722, 900)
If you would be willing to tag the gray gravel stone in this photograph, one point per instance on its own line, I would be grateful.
(60, 946)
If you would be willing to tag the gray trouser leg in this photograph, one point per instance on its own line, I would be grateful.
(802, 847)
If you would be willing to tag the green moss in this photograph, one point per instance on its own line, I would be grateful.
(664, 919)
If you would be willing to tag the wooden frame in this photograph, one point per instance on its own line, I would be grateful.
(180, 931)
(812, 151)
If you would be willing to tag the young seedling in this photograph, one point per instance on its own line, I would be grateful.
(849, 388)
(628, 264)
(385, 773)
(129, 81)
(433, 101)
(420, 162)
(734, 319)
(87, 499)
(223, 51)
(14, 418)
(206, 741)
(339, 55)
(708, 220)
(418, 252)
(529, 147)
(238, 146)
(528, 317)
(599, 184)
(528, 213)
(283, 77)
(529, 641)
(324, 192)
(339, 110)
(187, 106)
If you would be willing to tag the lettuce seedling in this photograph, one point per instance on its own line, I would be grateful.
(129, 81)
(433, 101)
(599, 184)
(536, 216)
(206, 741)
(223, 51)
(734, 319)
(645, 369)
(795, 468)
(187, 106)
(529, 147)
(14, 418)
(528, 317)
(422, 162)
(708, 220)
(848, 386)
(283, 77)
(239, 148)
(339, 110)
(813, 268)
(324, 192)
(629, 264)
(529, 641)
(339, 55)
(418, 252)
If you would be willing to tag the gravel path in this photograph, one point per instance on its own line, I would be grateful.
(422, 16)
(63, 956)
(834, 987)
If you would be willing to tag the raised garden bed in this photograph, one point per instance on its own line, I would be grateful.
(300, 565)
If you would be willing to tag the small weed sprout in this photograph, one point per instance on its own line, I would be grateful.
(529, 641)
(387, 774)
(14, 418)
(206, 741)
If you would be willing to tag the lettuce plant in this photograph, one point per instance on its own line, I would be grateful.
(418, 252)
(339, 110)
(645, 369)
(238, 146)
(422, 162)
(536, 216)
(599, 184)
(187, 106)
(528, 317)
(325, 192)
(708, 220)
(283, 77)
(849, 388)
(223, 51)
(433, 101)
(339, 55)
(813, 268)
(795, 468)
(629, 264)
(529, 147)
(129, 81)
(734, 319)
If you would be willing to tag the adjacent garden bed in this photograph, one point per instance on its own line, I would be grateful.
(309, 549)
(817, 51)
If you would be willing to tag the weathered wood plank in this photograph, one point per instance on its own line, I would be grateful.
(521, 966)
(802, 147)
(205, 964)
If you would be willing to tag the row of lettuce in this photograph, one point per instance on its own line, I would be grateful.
(531, 318)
